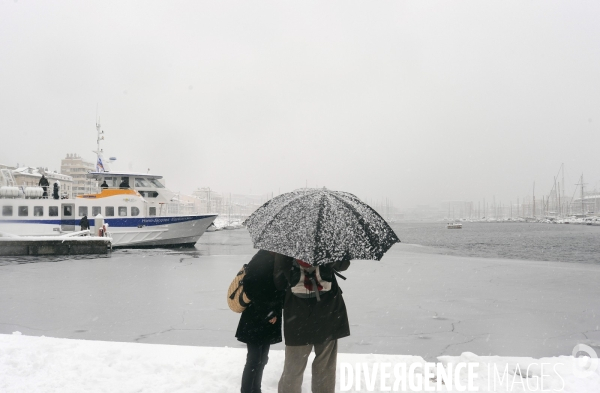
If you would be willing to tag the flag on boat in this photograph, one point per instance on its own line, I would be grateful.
(99, 165)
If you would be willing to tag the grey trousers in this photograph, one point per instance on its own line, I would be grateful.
(323, 368)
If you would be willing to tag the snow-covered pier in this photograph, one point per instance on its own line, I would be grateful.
(78, 243)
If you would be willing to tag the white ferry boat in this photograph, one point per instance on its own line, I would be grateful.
(139, 210)
(137, 216)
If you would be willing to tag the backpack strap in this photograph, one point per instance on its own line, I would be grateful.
(241, 299)
(314, 283)
(240, 284)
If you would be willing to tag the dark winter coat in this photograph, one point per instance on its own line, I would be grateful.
(308, 321)
(55, 191)
(43, 182)
(84, 223)
(266, 303)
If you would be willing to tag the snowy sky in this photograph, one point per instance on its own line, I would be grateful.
(414, 101)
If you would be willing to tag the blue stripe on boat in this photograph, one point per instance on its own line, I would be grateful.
(116, 222)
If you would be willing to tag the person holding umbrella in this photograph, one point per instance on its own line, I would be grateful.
(314, 317)
(260, 322)
(316, 232)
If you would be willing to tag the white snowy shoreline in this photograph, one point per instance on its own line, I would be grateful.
(47, 365)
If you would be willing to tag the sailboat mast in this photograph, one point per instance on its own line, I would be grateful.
(533, 200)
(563, 187)
(582, 204)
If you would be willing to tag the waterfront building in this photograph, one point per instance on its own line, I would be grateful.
(208, 200)
(76, 167)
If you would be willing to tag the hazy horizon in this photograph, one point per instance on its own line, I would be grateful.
(415, 102)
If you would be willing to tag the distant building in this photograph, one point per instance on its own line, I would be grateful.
(76, 167)
(230, 206)
(209, 201)
(30, 177)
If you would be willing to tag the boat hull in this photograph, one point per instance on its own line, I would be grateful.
(180, 230)
(162, 231)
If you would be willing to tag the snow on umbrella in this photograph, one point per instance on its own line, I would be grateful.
(319, 226)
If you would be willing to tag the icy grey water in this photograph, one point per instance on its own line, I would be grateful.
(519, 241)
(530, 241)
(415, 301)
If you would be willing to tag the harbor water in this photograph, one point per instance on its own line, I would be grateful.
(516, 240)
(416, 300)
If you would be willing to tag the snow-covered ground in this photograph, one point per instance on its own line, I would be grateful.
(52, 365)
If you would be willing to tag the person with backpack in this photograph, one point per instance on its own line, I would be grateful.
(314, 316)
(260, 322)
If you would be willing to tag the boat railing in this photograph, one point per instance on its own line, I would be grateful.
(30, 191)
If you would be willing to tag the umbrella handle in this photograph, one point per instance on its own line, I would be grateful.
(338, 274)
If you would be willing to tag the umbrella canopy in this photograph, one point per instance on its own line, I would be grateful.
(319, 226)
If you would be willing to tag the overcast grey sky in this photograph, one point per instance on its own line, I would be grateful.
(416, 101)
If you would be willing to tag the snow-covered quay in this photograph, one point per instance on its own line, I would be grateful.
(45, 365)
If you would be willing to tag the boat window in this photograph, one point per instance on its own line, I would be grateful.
(122, 211)
(156, 183)
(96, 210)
(109, 211)
(53, 211)
(38, 211)
(111, 182)
(67, 210)
(7, 210)
(23, 211)
(124, 183)
(148, 194)
(135, 211)
(151, 211)
(141, 182)
(83, 211)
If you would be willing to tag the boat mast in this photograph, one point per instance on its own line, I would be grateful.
(533, 200)
(582, 204)
(100, 164)
(563, 189)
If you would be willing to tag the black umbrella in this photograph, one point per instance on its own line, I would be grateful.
(319, 226)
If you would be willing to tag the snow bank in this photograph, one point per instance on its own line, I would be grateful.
(43, 364)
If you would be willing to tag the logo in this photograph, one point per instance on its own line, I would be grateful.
(586, 365)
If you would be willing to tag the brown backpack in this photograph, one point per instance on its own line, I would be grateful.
(237, 300)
